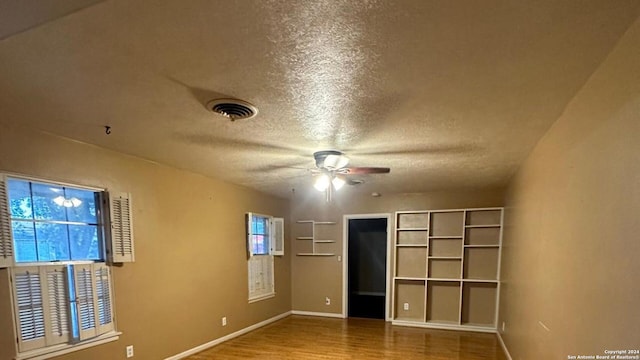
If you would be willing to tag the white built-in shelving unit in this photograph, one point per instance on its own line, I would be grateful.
(313, 231)
(447, 268)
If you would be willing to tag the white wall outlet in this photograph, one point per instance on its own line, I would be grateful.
(503, 325)
(327, 301)
(405, 306)
(130, 351)
(224, 321)
(339, 258)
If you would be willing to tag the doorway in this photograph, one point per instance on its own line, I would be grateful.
(367, 266)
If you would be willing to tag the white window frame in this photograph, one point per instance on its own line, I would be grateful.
(100, 287)
(260, 267)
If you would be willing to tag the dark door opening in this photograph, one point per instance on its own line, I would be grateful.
(367, 270)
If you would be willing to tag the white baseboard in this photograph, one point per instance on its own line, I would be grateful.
(313, 313)
(504, 347)
(217, 341)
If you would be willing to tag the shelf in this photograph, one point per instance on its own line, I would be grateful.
(413, 294)
(447, 224)
(445, 248)
(483, 217)
(482, 235)
(409, 320)
(443, 322)
(444, 279)
(445, 268)
(483, 226)
(443, 302)
(317, 236)
(315, 254)
(411, 262)
(481, 263)
(479, 304)
(420, 237)
(412, 220)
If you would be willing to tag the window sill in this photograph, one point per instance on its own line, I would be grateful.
(262, 297)
(57, 350)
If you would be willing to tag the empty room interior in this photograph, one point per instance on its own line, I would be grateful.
(297, 179)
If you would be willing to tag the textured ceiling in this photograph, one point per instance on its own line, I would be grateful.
(449, 94)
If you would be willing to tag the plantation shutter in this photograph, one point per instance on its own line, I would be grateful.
(85, 301)
(267, 271)
(56, 299)
(277, 233)
(104, 298)
(29, 308)
(252, 277)
(261, 276)
(6, 239)
(122, 249)
(249, 222)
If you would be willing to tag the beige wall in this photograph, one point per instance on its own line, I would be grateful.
(190, 267)
(314, 278)
(571, 249)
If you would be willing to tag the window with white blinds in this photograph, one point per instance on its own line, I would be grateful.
(265, 238)
(55, 239)
(61, 304)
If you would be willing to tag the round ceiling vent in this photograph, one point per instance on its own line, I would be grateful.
(233, 109)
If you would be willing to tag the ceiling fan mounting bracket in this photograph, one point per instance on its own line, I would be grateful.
(320, 156)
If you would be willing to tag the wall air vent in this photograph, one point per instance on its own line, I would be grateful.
(233, 109)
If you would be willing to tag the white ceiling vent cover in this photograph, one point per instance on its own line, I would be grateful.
(233, 109)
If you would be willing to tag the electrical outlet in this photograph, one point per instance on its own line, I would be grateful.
(405, 306)
(224, 321)
(327, 301)
(339, 258)
(130, 351)
(503, 325)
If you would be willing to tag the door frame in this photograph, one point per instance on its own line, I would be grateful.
(345, 261)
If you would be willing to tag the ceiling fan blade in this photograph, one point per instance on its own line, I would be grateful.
(366, 170)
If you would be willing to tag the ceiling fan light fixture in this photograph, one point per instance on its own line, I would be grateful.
(322, 182)
(338, 182)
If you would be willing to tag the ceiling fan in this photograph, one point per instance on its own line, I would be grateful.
(331, 166)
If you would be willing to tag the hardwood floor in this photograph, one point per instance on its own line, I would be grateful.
(303, 337)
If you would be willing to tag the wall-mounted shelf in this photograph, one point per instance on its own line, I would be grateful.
(447, 265)
(315, 254)
(313, 238)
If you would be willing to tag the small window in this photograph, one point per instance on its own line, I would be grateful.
(264, 240)
(260, 235)
(52, 223)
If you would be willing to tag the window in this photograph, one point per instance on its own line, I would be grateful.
(53, 239)
(54, 223)
(264, 240)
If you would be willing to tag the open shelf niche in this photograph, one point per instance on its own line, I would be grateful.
(316, 237)
(447, 265)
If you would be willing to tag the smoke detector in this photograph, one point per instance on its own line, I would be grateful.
(233, 109)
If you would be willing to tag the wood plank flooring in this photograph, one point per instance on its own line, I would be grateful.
(305, 337)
